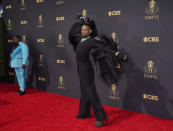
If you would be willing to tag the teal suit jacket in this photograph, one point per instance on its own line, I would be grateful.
(20, 56)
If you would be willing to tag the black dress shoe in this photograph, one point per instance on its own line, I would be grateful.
(22, 93)
(83, 116)
(18, 91)
(99, 123)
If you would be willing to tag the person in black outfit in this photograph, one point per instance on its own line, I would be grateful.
(89, 96)
(84, 44)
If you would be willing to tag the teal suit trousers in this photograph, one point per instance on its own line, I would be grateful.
(21, 77)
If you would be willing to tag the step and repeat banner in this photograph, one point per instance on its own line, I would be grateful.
(142, 28)
(2, 63)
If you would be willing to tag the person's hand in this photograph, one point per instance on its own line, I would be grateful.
(117, 66)
(23, 66)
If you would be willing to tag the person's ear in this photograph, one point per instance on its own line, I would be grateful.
(90, 31)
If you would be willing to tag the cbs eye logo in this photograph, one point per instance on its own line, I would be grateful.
(113, 13)
(60, 61)
(60, 18)
(41, 78)
(151, 39)
(40, 1)
(23, 22)
(8, 6)
(40, 40)
(150, 97)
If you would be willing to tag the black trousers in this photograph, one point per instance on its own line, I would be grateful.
(89, 97)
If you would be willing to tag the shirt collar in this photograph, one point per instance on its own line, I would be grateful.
(20, 42)
(84, 39)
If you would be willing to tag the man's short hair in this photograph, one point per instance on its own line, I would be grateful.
(18, 37)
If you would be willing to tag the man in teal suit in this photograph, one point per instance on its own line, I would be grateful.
(19, 61)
